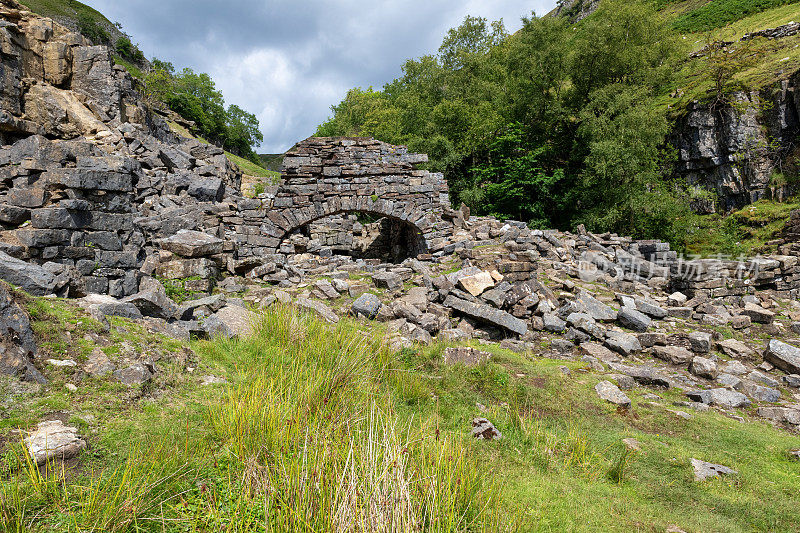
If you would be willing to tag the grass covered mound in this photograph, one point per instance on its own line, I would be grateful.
(323, 428)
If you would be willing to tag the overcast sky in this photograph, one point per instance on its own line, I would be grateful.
(289, 61)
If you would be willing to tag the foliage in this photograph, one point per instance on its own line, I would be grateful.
(553, 125)
(195, 97)
(718, 13)
(91, 29)
(129, 51)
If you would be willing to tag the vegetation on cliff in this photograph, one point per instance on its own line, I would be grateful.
(561, 123)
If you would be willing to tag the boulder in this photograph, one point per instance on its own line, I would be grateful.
(17, 342)
(367, 305)
(783, 356)
(676, 355)
(27, 276)
(611, 393)
(154, 303)
(387, 280)
(231, 321)
(736, 349)
(700, 342)
(189, 243)
(758, 314)
(704, 368)
(136, 374)
(53, 440)
(633, 319)
(595, 308)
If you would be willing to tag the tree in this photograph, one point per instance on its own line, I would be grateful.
(242, 133)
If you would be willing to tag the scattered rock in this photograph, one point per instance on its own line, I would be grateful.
(136, 374)
(784, 356)
(483, 429)
(367, 305)
(466, 355)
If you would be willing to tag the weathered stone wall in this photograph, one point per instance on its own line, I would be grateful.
(329, 176)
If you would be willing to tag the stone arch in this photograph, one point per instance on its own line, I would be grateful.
(324, 177)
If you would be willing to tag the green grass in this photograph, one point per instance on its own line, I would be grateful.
(322, 428)
(742, 233)
(70, 9)
(134, 71)
(718, 13)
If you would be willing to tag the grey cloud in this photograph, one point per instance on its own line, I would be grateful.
(288, 62)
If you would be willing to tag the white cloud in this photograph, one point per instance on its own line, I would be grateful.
(288, 62)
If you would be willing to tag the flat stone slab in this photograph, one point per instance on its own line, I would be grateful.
(476, 284)
(189, 243)
(466, 355)
(488, 314)
(704, 470)
(53, 440)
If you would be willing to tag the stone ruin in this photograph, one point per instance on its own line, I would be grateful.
(100, 201)
(325, 176)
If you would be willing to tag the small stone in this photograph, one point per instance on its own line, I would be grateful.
(483, 429)
(740, 322)
(213, 380)
(70, 387)
(62, 364)
(632, 444)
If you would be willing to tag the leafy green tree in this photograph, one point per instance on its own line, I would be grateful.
(242, 133)
(512, 183)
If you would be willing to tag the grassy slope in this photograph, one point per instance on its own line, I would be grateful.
(247, 167)
(66, 9)
(327, 407)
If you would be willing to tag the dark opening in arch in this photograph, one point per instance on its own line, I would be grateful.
(359, 234)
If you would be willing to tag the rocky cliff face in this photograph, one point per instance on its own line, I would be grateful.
(742, 151)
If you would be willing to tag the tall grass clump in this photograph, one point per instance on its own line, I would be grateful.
(314, 445)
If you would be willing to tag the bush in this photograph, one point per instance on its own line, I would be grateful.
(92, 30)
(127, 50)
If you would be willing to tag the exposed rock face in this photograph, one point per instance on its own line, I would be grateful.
(734, 150)
(17, 343)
